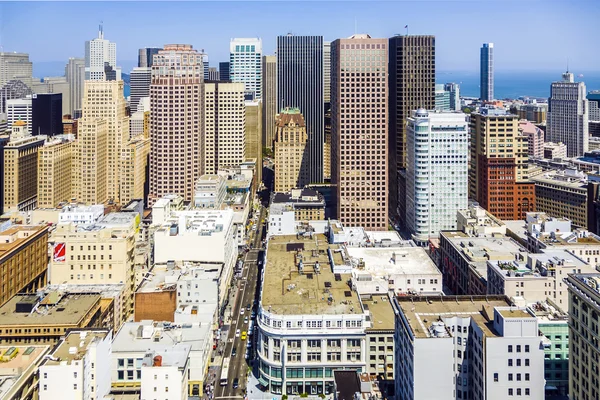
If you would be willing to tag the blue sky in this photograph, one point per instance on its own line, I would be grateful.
(528, 34)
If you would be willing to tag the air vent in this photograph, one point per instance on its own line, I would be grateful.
(338, 278)
(348, 293)
(327, 284)
(309, 276)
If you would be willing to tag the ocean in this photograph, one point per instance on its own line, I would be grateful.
(514, 84)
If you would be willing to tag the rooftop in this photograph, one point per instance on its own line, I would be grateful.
(286, 291)
(199, 222)
(18, 362)
(397, 260)
(567, 178)
(382, 313)
(420, 312)
(14, 237)
(53, 309)
(298, 197)
(75, 345)
(547, 312)
(160, 337)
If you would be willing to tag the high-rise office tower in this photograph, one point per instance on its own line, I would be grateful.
(359, 106)
(104, 100)
(224, 125)
(486, 72)
(269, 92)
(442, 98)
(594, 113)
(224, 71)
(300, 84)
(291, 158)
(326, 73)
(20, 169)
(134, 164)
(454, 90)
(98, 52)
(139, 85)
(245, 65)
(412, 86)
(75, 74)
(46, 112)
(56, 85)
(54, 171)
(205, 65)
(15, 66)
(20, 110)
(4, 139)
(213, 74)
(568, 115)
(14, 89)
(89, 181)
(176, 154)
(253, 135)
(436, 172)
(498, 168)
(145, 56)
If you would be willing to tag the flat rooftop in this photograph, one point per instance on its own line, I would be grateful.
(569, 239)
(286, 291)
(188, 337)
(23, 362)
(15, 235)
(408, 260)
(517, 228)
(382, 313)
(75, 345)
(514, 313)
(422, 311)
(69, 310)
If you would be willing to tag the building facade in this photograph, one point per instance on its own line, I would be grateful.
(535, 136)
(177, 68)
(361, 177)
(134, 165)
(20, 110)
(245, 65)
(454, 90)
(146, 56)
(139, 84)
(269, 102)
(90, 183)
(291, 157)
(568, 115)
(436, 172)
(54, 172)
(300, 83)
(99, 52)
(411, 86)
(498, 170)
(15, 66)
(224, 72)
(486, 72)
(46, 110)
(253, 137)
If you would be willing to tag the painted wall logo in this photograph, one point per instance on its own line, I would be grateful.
(60, 252)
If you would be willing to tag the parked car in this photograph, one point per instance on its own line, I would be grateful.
(234, 352)
(237, 333)
(236, 383)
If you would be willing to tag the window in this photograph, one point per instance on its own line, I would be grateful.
(518, 348)
(45, 375)
(510, 377)
(120, 375)
(527, 362)
(518, 362)
(526, 377)
(495, 377)
(45, 387)
(518, 391)
(510, 362)
(510, 392)
(510, 348)
(526, 348)
(526, 391)
(518, 377)
(74, 386)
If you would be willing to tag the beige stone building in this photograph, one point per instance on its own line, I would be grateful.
(23, 259)
(89, 163)
(105, 100)
(133, 169)
(102, 253)
(176, 122)
(225, 120)
(269, 100)
(291, 169)
(20, 169)
(254, 143)
(359, 131)
(54, 171)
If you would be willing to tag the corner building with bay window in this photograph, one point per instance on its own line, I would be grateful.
(310, 322)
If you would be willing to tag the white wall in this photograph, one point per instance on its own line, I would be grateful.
(282, 224)
(63, 382)
(433, 369)
(163, 383)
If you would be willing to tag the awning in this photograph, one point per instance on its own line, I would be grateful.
(263, 381)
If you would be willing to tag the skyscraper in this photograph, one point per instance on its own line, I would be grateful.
(55, 85)
(224, 125)
(326, 73)
(412, 86)
(300, 84)
(436, 172)
(145, 56)
(498, 168)
(245, 65)
(20, 110)
(253, 136)
(442, 98)
(568, 115)
(15, 66)
(75, 74)
(486, 72)
(177, 148)
(291, 163)
(54, 171)
(454, 89)
(98, 52)
(139, 84)
(213, 74)
(224, 71)
(269, 93)
(205, 65)
(46, 110)
(359, 141)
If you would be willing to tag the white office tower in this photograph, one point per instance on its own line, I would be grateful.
(245, 65)
(436, 172)
(15, 66)
(467, 347)
(98, 52)
(568, 115)
(326, 72)
(19, 109)
(454, 89)
(139, 84)
(75, 74)
(78, 367)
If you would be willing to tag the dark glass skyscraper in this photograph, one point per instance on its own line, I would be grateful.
(300, 84)
(224, 71)
(486, 78)
(145, 56)
(46, 114)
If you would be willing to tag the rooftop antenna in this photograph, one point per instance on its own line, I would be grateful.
(101, 30)
(567, 65)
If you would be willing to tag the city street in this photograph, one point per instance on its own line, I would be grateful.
(245, 294)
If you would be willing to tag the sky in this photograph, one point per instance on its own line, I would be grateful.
(527, 34)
